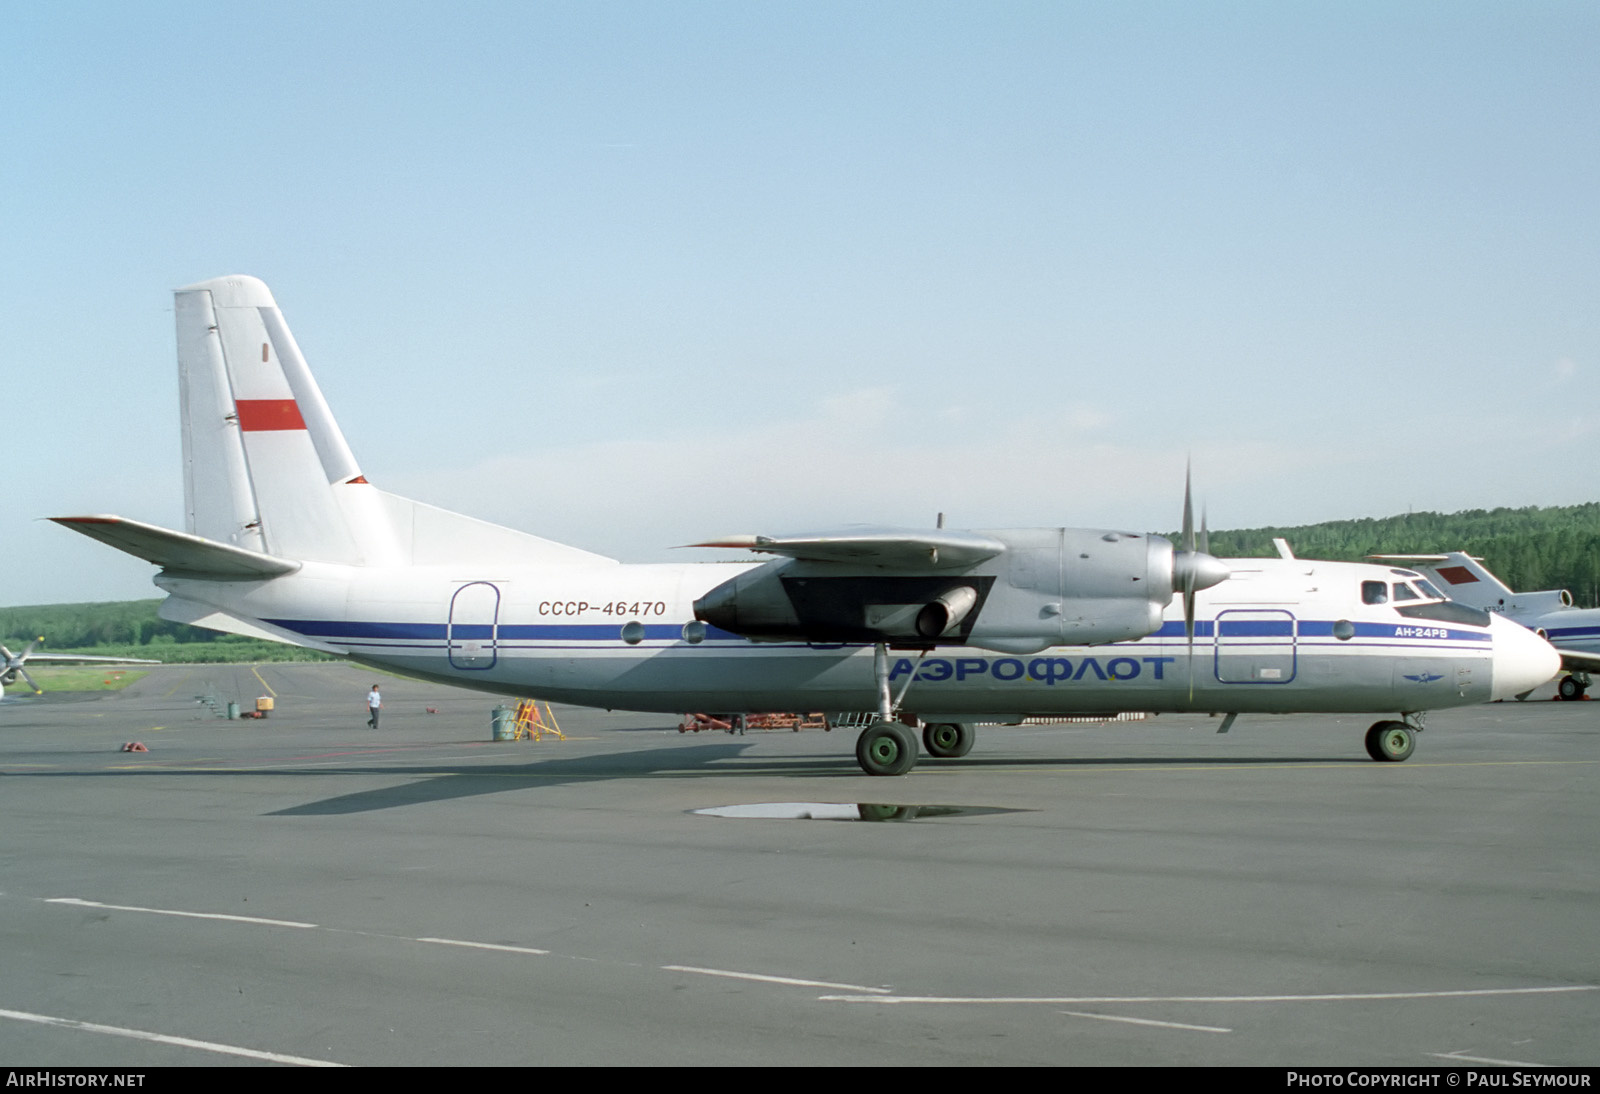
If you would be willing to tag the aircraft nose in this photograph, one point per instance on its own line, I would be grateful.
(1522, 660)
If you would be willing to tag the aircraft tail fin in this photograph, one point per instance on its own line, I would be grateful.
(1462, 577)
(266, 467)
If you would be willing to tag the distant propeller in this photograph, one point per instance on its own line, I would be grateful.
(13, 666)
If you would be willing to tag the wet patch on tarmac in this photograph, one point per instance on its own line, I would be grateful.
(848, 811)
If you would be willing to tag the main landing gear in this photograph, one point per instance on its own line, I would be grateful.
(1573, 686)
(948, 740)
(1391, 742)
(888, 746)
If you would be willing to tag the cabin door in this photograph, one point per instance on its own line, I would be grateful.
(474, 626)
(1255, 646)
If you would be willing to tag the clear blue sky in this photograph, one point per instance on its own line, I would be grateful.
(633, 274)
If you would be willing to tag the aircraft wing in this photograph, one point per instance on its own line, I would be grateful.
(1579, 660)
(87, 659)
(877, 547)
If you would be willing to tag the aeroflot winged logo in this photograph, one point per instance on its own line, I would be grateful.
(1424, 677)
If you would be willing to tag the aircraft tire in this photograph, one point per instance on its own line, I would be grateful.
(886, 748)
(1390, 742)
(947, 740)
(1569, 688)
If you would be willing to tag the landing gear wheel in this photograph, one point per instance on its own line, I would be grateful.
(1390, 742)
(1569, 688)
(947, 740)
(886, 748)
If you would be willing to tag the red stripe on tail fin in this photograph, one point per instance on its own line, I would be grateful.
(268, 415)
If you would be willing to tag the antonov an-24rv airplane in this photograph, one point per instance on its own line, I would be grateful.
(287, 540)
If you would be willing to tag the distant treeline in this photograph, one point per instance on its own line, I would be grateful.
(1528, 549)
(131, 628)
(1533, 548)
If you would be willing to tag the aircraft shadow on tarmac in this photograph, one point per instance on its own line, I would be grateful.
(694, 761)
(469, 782)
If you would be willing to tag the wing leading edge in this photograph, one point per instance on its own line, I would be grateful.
(877, 547)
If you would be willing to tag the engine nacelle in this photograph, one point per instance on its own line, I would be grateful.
(1551, 600)
(1048, 587)
(946, 611)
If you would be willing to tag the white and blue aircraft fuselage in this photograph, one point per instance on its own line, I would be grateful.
(287, 540)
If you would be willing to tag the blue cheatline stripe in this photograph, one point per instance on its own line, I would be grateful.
(1203, 628)
(1572, 632)
(370, 633)
(1257, 628)
(594, 632)
(1322, 628)
(1314, 628)
(333, 628)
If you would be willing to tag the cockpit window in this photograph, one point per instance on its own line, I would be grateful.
(1402, 591)
(1428, 590)
(1374, 592)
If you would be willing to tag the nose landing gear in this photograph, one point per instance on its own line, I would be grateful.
(1392, 742)
(1573, 686)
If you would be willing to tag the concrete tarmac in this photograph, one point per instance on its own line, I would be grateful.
(303, 889)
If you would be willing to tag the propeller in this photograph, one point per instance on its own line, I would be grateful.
(1193, 568)
(13, 666)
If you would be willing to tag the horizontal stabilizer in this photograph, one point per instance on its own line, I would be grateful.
(885, 548)
(179, 552)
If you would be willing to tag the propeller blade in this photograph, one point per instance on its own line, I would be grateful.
(1188, 571)
(37, 690)
(1188, 510)
(1193, 569)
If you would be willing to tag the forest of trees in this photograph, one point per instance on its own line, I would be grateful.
(1533, 548)
(1528, 549)
(131, 628)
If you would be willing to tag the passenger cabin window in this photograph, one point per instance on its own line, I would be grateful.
(1402, 591)
(1374, 592)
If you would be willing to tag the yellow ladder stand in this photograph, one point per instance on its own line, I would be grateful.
(531, 724)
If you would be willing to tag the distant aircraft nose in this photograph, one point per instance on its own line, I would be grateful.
(1522, 660)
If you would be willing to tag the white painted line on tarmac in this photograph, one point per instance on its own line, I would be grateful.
(1462, 1057)
(485, 946)
(1071, 1000)
(1145, 1021)
(167, 1039)
(187, 915)
(764, 978)
(263, 922)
